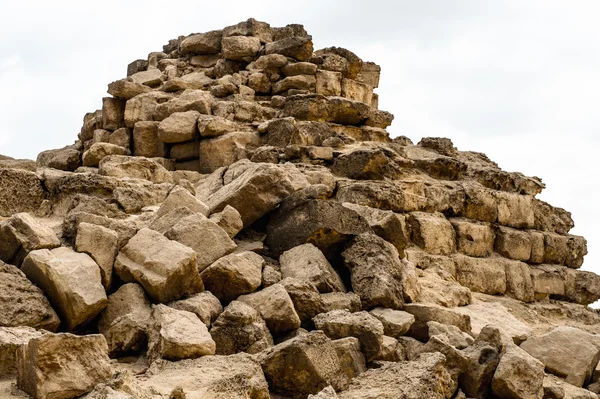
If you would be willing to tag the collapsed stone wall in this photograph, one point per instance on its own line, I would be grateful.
(245, 185)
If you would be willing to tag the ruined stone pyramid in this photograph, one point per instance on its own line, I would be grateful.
(236, 222)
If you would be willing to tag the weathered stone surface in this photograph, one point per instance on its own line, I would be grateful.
(276, 308)
(352, 360)
(341, 324)
(425, 377)
(482, 360)
(300, 48)
(395, 322)
(473, 239)
(233, 275)
(125, 89)
(483, 314)
(566, 352)
(66, 158)
(240, 328)
(134, 167)
(255, 189)
(307, 263)
(425, 313)
(376, 271)
(555, 387)
(102, 245)
(240, 47)
(518, 375)
(229, 219)
(204, 305)
(226, 149)
(205, 237)
(513, 243)
(433, 233)
(452, 334)
(11, 338)
(179, 127)
(126, 319)
(145, 140)
(98, 151)
(62, 366)
(234, 377)
(306, 299)
(327, 393)
(178, 334)
(341, 301)
(202, 43)
(72, 282)
(22, 303)
(20, 234)
(328, 83)
(303, 365)
(166, 269)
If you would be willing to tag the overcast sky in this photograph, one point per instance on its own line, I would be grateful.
(518, 80)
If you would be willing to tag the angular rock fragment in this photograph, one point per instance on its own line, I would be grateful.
(395, 322)
(20, 191)
(102, 245)
(482, 360)
(276, 308)
(229, 219)
(98, 151)
(518, 375)
(305, 297)
(166, 269)
(240, 328)
(126, 319)
(425, 313)
(204, 305)
(233, 275)
(307, 263)
(21, 234)
(11, 338)
(62, 366)
(303, 365)
(341, 324)
(72, 282)
(134, 167)
(178, 334)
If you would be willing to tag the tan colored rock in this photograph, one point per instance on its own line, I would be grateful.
(240, 328)
(395, 322)
(20, 234)
(11, 338)
(166, 269)
(190, 100)
(433, 233)
(62, 366)
(473, 239)
(495, 314)
(513, 243)
(126, 319)
(352, 360)
(307, 263)
(328, 83)
(151, 77)
(64, 159)
(451, 334)
(213, 126)
(376, 271)
(357, 91)
(180, 197)
(226, 150)
(102, 245)
(202, 43)
(234, 275)
(300, 48)
(326, 393)
(204, 305)
(425, 313)
(179, 127)
(229, 219)
(303, 365)
(519, 375)
(439, 287)
(240, 47)
(567, 352)
(145, 140)
(178, 334)
(555, 387)
(515, 210)
(98, 151)
(22, 303)
(276, 308)
(299, 82)
(362, 325)
(482, 360)
(72, 282)
(113, 113)
(425, 377)
(341, 301)
(134, 167)
(205, 237)
(487, 276)
(125, 89)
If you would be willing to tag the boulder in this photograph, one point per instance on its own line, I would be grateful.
(240, 47)
(134, 167)
(202, 43)
(255, 189)
(72, 282)
(62, 366)
(204, 305)
(178, 334)
(145, 140)
(425, 313)
(22, 303)
(341, 301)
(557, 388)
(209, 241)
(190, 100)
(567, 352)
(226, 149)
(376, 271)
(20, 234)
(234, 377)
(425, 377)
(180, 197)
(98, 151)
(307, 263)
(482, 360)
(11, 338)
(341, 324)
(433, 233)
(473, 239)
(126, 319)
(126, 89)
(166, 269)
(452, 334)
(303, 365)
(391, 351)
(306, 299)
(229, 219)
(179, 127)
(495, 314)
(240, 328)
(352, 360)
(518, 375)
(276, 308)
(233, 275)
(102, 245)
(395, 322)
(299, 48)
(513, 243)
(66, 158)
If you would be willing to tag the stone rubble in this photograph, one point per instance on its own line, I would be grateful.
(236, 222)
